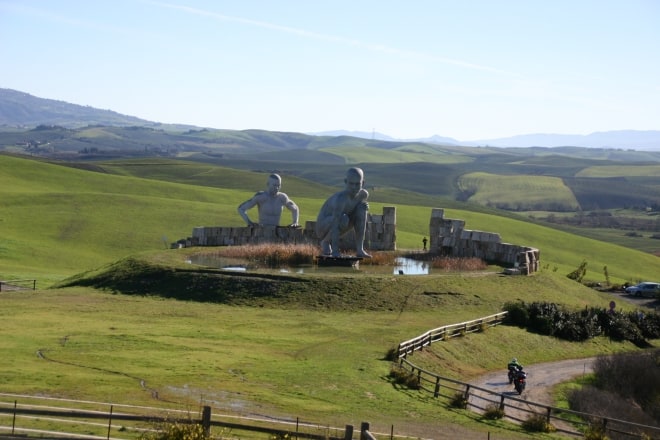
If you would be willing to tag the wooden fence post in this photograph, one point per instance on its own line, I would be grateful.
(364, 427)
(436, 393)
(110, 421)
(13, 420)
(206, 420)
(502, 402)
(348, 432)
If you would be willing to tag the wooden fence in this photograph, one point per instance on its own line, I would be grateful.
(50, 417)
(519, 410)
(18, 285)
(447, 332)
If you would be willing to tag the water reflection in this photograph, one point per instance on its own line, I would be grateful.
(410, 266)
(402, 266)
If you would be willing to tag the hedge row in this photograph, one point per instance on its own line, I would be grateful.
(553, 320)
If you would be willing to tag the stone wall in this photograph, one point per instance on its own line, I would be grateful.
(380, 235)
(449, 237)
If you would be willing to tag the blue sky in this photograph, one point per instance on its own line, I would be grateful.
(467, 69)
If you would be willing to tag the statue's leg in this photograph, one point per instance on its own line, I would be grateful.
(326, 249)
(335, 234)
(323, 226)
(360, 227)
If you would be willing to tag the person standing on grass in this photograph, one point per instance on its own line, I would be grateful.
(343, 211)
(270, 204)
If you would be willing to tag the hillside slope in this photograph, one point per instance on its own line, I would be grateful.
(58, 221)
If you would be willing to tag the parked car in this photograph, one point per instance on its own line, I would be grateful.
(646, 289)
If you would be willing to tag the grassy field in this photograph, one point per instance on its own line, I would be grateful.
(59, 220)
(316, 349)
(289, 357)
(519, 192)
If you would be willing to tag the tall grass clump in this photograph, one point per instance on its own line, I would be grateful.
(451, 264)
(175, 430)
(271, 254)
(380, 259)
(454, 264)
(537, 423)
(493, 412)
(404, 377)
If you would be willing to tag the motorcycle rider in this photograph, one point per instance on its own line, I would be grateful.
(514, 367)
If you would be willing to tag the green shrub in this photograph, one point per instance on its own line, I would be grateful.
(552, 320)
(537, 423)
(579, 273)
(622, 329)
(517, 314)
(493, 412)
(595, 432)
(542, 325)
(176, 431)
(404, 377)
(392, 354)
(459, 401)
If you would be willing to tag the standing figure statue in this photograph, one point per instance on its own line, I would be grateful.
(342, 212)
(270, 204)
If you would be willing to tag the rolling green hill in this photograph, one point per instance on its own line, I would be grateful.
(599, 179)
(58, 220)
(102, 228)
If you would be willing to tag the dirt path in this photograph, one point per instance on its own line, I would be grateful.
(540, 380)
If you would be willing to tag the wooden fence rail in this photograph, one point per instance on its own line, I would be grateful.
(8, 285)
(132, 421)
(448, 331)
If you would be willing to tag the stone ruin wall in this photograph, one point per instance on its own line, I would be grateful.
(449, 237)
(380, 234)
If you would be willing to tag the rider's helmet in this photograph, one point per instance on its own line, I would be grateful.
(514, 360)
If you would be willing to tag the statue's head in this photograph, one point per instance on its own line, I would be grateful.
(354, 180)
(274, 184)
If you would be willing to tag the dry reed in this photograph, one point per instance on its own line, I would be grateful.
(280, 254)
(272, 254)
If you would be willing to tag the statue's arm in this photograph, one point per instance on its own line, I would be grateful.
(359, 201)
(295, 212)
(243, 207)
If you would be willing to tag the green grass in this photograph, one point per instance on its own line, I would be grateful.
(521, 192)
(620, 171)
(292, 357)
(57, 221)
(409, 153)
(294, 345)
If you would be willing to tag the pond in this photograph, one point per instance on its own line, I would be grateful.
(402, 266)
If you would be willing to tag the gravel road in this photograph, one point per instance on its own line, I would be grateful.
(540, 380)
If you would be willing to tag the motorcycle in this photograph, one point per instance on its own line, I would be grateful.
(512, 374)
(520, 381)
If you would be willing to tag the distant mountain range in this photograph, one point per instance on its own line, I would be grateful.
(22, 110)
(647, 140)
